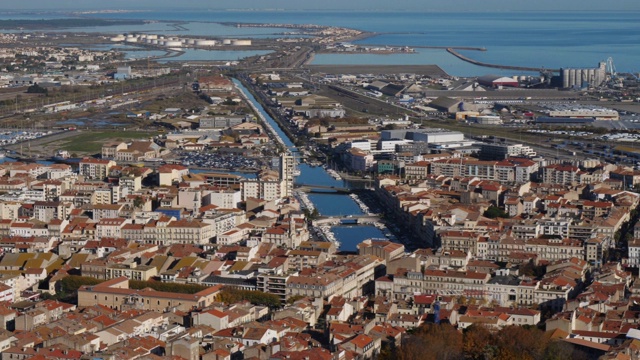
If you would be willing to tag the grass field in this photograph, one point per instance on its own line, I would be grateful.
(92, 141)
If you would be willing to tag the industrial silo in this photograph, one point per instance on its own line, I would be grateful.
(243, 42)
(173, 43)
(205, 42)
(572, 77)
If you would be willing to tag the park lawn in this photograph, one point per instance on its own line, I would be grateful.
(92, 141)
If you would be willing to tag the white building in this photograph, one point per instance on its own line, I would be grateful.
(634, 253)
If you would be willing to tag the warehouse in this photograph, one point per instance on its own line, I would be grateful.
(496, 81)
(445, 104)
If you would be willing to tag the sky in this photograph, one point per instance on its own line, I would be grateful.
(408, 5)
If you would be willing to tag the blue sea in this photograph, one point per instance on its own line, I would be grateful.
(550, 39)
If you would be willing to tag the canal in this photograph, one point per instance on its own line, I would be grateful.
(329, 204)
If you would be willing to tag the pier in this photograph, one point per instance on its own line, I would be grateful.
(453, 52)
(470, 48)
(321, 189)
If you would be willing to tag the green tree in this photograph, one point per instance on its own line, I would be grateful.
(72, 283)
(36, 89)
(294, 298)
(231, 295)
(138, 202)
(495, 212)
(559, 350)
(167, 286)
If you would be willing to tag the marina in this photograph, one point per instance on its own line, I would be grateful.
(304, 201)
(363, 207)
(17, 136)
(334, 174)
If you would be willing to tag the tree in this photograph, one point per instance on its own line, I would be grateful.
(138, 202)
(71, 284)
(519, 342)
(294, 298)
(231, 295)
(477, 342)
(167, 287)
(495, 212)
(530, 269)
(36, 89)
(559, 350)
(432, 342)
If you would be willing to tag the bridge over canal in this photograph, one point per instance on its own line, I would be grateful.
(351, 220)
(322, 188)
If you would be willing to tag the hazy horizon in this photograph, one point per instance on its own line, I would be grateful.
(353, 5)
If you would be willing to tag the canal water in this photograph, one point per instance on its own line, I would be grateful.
(351, 236)
(330, 203)
(7, 159)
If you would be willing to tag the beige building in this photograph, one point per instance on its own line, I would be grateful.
(131, 271)
(95, 168)
(116, 294)
(383, 249)
(110, 149)
(167, 174)
(321, 286)
(416, 171)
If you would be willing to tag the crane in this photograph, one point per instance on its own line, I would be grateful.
(611, 69)
(614, 80)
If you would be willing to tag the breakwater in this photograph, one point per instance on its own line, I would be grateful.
(453, 52)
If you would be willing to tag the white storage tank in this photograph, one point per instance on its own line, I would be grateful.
(154, 42)
(226, 41)
(152, 36)
(205, 42)
(131, 39)
(243, 42)
(173, 43)
(191, 41)
(118, 38)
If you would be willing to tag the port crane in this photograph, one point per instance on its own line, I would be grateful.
(614, 80)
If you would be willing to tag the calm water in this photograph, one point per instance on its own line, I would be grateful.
(550, 39)
(273, 123)
(327, 204)
(7, 159)
(316, 176)
(351, 236)
(334, 204)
